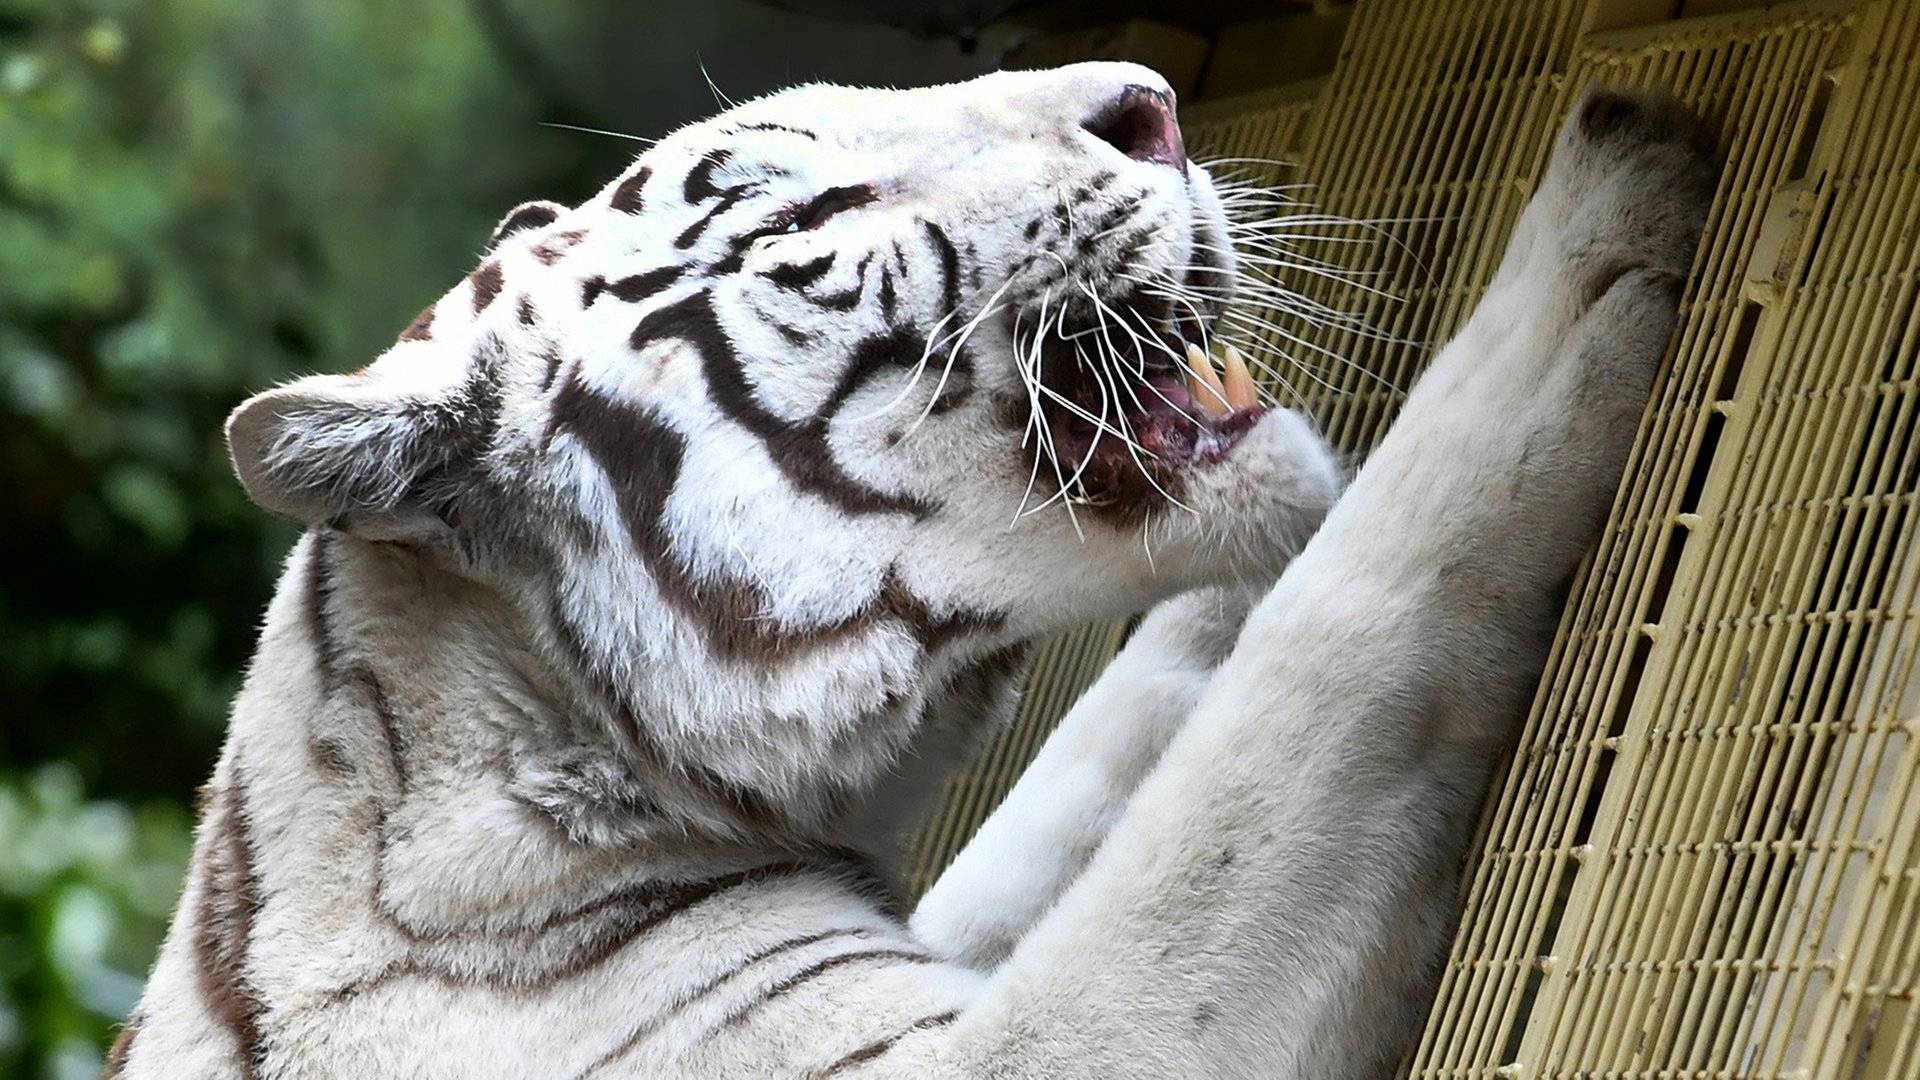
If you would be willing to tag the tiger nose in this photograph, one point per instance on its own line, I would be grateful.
(1140, 124)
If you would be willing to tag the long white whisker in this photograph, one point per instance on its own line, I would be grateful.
(1038, 422)
(599, 131)
(959, 341)
(1104, 315)
(934, 341)
(1303, 310)
(1256, 357)
(1266, 326)
(1295, 263)
(1134, 449)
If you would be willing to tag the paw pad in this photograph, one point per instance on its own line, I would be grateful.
(1605, 113)
(1613, 116)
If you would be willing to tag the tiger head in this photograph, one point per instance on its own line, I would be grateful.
(822, 402)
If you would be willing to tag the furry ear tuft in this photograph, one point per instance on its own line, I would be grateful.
(353, 452)
(528, 215)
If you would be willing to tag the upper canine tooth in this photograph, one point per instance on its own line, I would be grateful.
(1238, 388)
(1208, 393)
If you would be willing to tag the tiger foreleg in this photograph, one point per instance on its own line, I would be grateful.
(1041, 837)
(1273, 900)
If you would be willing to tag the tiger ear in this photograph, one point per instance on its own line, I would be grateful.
(528, 215)
(364, 452)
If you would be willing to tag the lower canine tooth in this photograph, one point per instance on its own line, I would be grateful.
(1237, 383)
(1208, 393)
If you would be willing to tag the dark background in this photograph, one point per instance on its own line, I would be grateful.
(199, 198)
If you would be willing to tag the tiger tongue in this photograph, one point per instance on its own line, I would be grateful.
(1167, 395)
(1170, 421)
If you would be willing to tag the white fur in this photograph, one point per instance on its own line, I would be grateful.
(495, 804)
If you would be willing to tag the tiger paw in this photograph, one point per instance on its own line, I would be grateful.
(1632, 178)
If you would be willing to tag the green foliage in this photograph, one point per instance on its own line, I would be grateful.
(197, 199)
(85, 889)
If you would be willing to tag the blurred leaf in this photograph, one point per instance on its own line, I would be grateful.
(40, 269)
(146, 498)
(198, 199)
(84, 888)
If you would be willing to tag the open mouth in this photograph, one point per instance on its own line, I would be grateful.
(1122, 422)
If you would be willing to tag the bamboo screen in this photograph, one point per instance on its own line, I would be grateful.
(1704, 859)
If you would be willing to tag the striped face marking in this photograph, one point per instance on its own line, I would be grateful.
(819, 403)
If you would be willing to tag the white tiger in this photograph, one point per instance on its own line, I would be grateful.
(659, 572)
